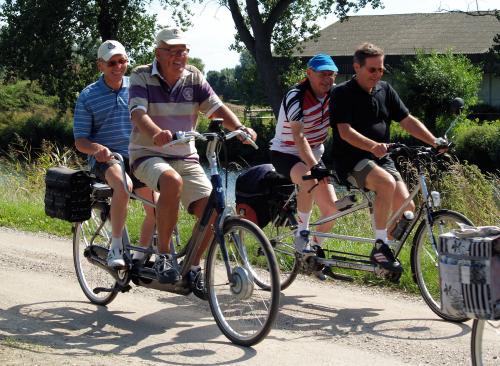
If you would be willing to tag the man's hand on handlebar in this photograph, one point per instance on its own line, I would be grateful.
(319, 172)
(103, 154)
(250, 132)
(441, 145)
(162, 138)
(379, 150)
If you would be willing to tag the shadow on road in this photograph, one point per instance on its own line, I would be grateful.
(301, 315)
(80, 329)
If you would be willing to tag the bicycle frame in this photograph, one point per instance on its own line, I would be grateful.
(359, 264)
(216, 205)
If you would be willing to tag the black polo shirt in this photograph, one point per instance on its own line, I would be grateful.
(370, 114)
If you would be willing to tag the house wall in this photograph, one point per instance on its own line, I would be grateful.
(490, 90)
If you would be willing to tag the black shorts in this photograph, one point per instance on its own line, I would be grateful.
(99, 170)
(283, 163)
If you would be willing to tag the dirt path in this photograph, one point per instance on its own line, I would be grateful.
(46, 320)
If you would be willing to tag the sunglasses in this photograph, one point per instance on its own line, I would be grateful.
(177, 53)
(113, 63)
(373, 70)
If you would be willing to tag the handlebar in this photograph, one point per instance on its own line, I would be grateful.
(181, 137)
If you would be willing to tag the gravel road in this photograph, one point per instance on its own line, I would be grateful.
(46, 320)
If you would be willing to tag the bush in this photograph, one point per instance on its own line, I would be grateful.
(478, 144)
(429, 83)
(36, 129)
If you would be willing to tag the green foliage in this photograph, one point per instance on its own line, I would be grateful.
(35, 129)
(429, 83)
(196, 62)
(56, 45)
(478, 144)
(24, 96)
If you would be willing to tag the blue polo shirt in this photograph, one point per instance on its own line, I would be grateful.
(102, 116)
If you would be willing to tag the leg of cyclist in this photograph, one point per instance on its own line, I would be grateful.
(384, 185)
(118, 213)
(159, 174)
(400, 195)
(304, 205)
(324, 197)
(149, 222)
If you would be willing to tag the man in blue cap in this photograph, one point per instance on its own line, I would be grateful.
(297, 146)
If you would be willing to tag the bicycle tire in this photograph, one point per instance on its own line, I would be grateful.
(91, 276)
(424, 259)
(243, 311)
(485, 338)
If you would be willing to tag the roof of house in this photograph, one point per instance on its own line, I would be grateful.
(402, 34)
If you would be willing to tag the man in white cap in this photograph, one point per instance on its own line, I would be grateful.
(102, 126)
(166, 97)
(297, 146)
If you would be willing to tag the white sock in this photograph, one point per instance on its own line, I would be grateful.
(303, 223)
(381, 234)
(195, 268)
(116, 243)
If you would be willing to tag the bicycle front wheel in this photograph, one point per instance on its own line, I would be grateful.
(485, 342)
(424, 258)
(92, 238)
(243, 311)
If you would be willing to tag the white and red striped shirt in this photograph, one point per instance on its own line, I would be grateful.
(301, 104)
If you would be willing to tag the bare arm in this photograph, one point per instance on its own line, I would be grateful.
(418, 130)
(147, 127)
(100, 152)
(303, 146)
(353, 137)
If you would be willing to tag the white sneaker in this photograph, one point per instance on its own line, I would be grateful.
(115, 258)
(301, 242)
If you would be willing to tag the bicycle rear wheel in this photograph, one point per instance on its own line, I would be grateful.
(243, 311)
(92, 238)
(485, 342)
(424, 258)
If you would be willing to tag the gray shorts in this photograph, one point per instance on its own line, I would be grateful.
(196, 184)
(357, 177)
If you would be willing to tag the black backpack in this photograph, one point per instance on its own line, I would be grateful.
(260, 193)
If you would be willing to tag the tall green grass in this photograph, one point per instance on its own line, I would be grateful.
(463, 188)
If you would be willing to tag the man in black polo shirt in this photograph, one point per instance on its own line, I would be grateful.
(361, 111)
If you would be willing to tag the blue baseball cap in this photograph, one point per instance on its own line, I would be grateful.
(322, 62)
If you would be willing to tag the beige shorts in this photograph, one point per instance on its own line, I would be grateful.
(196, 184)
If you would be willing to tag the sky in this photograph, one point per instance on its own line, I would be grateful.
(213, 28)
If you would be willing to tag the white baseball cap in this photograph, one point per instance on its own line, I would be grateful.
(110, 48)
(171, 36)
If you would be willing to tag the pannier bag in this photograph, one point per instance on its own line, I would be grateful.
(260, 193)
(67, 194)
(469, 269)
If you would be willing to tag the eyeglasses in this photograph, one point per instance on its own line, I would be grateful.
(113, 63)
(178, 53)
(373, 70)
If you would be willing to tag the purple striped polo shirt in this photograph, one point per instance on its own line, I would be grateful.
(175, 109)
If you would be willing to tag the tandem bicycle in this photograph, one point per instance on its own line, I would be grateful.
(242, 310)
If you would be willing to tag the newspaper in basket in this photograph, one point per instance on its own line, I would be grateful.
(469, 269)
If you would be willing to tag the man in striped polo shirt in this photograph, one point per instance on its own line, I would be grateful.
(166, 97)
(102, 126)
(297, 146)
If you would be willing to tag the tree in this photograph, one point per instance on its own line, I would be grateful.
(429, 82)
(267, 27)
(56, 45)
